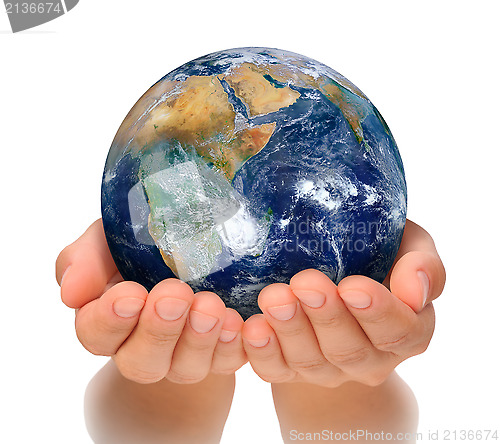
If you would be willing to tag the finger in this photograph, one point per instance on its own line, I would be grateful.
(263, 351)
(86, 266)
(229, 354)
(415, 238)
(341, 339)
(193, 354)
(146, 355)
(391, 325)
(417, 279)
(295, 334)
(104, 324)
(417, 275)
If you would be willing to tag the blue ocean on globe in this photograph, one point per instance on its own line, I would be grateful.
(245, 166)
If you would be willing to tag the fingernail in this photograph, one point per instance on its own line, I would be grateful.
(171, 309)
(227, 336)
(258, 342)
(283, 312)
(313, 299)
(424, 281)
(65, 274)
(128, 307)
(201, 322)
(356, 299)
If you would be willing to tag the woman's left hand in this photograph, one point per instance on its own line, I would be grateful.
(314, 331)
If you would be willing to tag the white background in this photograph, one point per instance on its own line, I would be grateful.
(430, 68)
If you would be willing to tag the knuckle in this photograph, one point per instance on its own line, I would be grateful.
(332, 320)
(221, 370)
(141, 376)
(226, 369)
(162, 338)
(263, 356)
(183, 378)
(352, 356)
(392, 343)
(223, 354)
(310, 365)
(380, 317)
(290, 332)
(198, 347)
(279, 378)
(104, 327)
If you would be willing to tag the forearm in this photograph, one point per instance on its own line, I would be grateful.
(305, 408)
(121, 411)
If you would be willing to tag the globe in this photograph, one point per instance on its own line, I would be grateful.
(245, 166)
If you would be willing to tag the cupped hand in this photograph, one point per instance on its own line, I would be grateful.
(314, 331)
(169, 332)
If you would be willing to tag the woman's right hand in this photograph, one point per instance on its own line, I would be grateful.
(169, 332)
